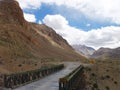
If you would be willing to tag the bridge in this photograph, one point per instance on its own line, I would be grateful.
(19, 79)
(72, 81)
(68, 78)
(51, 82)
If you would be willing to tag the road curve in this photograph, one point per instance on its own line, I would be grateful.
(50, 82)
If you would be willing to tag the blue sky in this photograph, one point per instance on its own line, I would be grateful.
(75, 18)
(95, 24)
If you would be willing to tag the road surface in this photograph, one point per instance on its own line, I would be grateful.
(50, 82)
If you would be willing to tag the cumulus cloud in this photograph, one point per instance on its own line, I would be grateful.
(103, 10)
(102, 37)
(29, 4)
(100, 10)
(29, 17)
(59, 21)
(40, 22)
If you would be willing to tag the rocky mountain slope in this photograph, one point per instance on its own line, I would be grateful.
(24, 45)
(107, 53)
(84, 50)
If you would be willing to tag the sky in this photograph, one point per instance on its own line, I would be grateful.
(95, 23)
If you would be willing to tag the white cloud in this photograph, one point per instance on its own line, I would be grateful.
(40, 22)
(29, 4)
(29, 17)
(59, 21)
(103, 37)
(100, 10)
(103, 10)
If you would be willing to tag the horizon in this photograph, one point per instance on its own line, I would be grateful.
(79, 22)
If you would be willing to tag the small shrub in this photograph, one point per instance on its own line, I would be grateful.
(88, 69)
(1, 62)
(107, 88)
(93, 74)
(95, 85)
(93, 88)
(102, 78)
(112, 79)
(20, 65)
(107, 76)
(115, 82)
(92, 62)
(35, 64)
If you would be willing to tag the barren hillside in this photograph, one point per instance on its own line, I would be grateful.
(24, 45)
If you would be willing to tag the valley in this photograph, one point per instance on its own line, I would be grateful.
(34, 56)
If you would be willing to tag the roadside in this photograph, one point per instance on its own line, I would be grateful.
(103, 75)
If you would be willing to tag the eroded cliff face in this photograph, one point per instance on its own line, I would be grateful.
(11, 13)
(23, 45)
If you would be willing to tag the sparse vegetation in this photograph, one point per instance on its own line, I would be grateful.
(95, 85)
(35, 64)
(28, 46)
(93, 74)
(115, 82)
(107, 76)
(87, 68)
(103, 75)
(20, 65)
(92, 62)
(107, 70)
(107, 88)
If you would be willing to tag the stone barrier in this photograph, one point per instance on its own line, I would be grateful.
(23, 78)
(72, 80)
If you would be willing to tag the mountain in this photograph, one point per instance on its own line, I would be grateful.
(84, 50)
(25, 46)
(107, 53)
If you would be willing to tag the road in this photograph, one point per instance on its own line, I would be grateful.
(50, 82)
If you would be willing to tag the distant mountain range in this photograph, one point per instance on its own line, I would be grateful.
(107, 53)
(102, 53)
(24, 45)
(84, 50)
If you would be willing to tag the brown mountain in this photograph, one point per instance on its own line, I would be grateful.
(24, 45)
(107, 53)
(84, 50)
